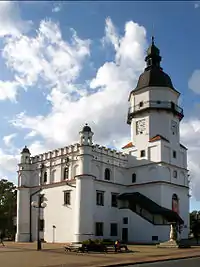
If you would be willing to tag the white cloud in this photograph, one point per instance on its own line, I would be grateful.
(194, 82)
(8, 90)
(57, 7)
(47, 58)
(106, 109)
(8, 162)
(10, 20)
(8, 139)
(196, 5)
(190, 132)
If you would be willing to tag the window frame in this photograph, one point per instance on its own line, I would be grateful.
(107, 174)
(67, 197)
(99, 228)
(114, 204)
(99, 201)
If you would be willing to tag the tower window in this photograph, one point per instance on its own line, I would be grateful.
(45, 177)
(66, 173)
(67, 198)
(133, 177)
(100, 198)
(141, 104)
(142, 153)
(125, 220)
(175, 174)
(114, 200)
(107, 174)
(174, 154)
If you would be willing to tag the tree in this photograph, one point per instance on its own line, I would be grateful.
(8, 200)
(195, 224)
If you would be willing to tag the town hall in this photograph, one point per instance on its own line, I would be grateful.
(91, 191)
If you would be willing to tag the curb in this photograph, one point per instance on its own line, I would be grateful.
(149, 261)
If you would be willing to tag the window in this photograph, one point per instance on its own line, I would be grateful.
(141, 104)
(100, 198)
(66, 173)
(99, 229)
(67, 198)
(113, 229)
(175, 174)
(174, 154)
(41, 226)
(142, 153)
(125, 220)
(133, 177)
(45, 177)
(114, 200)
(154, 238)
(107, 174)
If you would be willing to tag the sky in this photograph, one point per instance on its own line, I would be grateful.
(63, 64)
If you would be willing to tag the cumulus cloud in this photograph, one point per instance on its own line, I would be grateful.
(8, 90)
(8, 139)
(105, 109)
(194, 82)
(10, 20)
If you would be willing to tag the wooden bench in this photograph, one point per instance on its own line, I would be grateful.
(74, 247)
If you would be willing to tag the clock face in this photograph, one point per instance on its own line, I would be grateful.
(174, 127)
(140, 126)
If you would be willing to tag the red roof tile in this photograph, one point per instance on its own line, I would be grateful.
(157, 138)
(129, 145)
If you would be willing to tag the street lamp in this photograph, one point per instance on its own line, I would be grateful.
(38, 205)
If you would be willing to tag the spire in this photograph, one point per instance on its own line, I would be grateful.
(153, 57)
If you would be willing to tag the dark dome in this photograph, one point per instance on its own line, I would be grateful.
(86, 128)
(25, 150)
(154, 77)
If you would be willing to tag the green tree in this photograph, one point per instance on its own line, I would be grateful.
(8, 200)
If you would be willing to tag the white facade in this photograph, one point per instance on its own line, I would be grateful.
(74, 178)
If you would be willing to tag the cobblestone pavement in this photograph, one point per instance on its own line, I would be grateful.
(53, 255)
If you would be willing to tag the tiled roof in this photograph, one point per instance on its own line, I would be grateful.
(157, 138)
(129, 145)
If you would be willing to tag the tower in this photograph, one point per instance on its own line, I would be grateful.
(154, 110)
(84, 204)
(23, 197)
(154, 117)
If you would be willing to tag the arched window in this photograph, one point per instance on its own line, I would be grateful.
(107, 174)
(133, 177)
(175, 203)
(66, 173)
(45, 177)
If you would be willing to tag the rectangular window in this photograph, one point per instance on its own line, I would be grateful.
(113, 229)
(174, 154)
(154, 238)
(125, 220)
(41, 226)
(114, 200)
(100, 198)
(67, 198)
(142, 153)
(99, 229)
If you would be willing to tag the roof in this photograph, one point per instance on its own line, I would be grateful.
(157, 138)
(86, 128)
(153, 75)
(151, 206)
(129, 145)
(25, 150)
(183, 146)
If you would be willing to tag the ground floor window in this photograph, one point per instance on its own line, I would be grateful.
(99, 229)
(113, 229)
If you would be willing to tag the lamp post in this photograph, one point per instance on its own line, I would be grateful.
(38, 205)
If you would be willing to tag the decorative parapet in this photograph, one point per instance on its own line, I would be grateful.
(110, 152)
(56, 153)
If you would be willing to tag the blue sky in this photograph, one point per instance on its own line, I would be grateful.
(82, 48)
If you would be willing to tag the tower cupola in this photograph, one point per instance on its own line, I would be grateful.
(25, 155)
(86, 135)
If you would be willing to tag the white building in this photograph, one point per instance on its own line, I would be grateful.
(95, 192)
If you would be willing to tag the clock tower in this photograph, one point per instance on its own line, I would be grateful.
(154, 113)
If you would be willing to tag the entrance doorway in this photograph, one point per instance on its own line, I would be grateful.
(124, 234)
